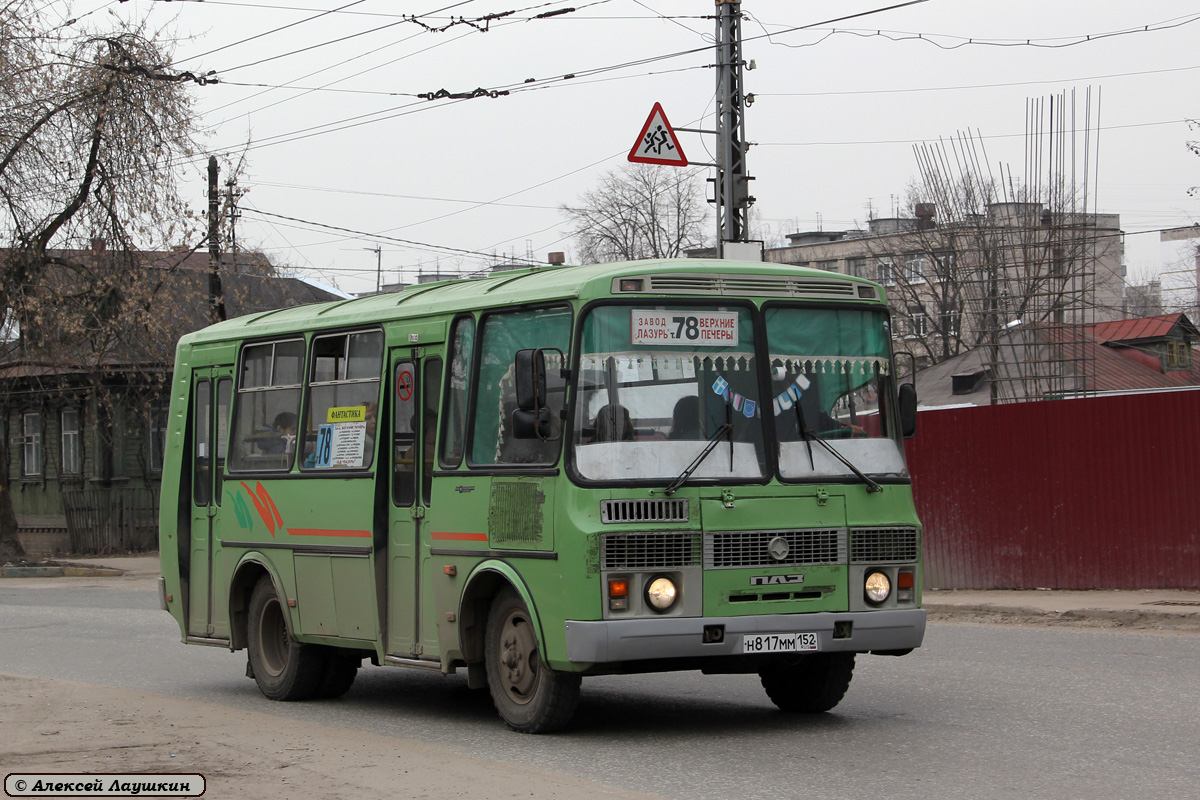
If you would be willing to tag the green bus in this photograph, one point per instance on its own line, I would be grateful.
(547, 474)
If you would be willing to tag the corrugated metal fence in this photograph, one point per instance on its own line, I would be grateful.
(102, 521)
(1099, 493)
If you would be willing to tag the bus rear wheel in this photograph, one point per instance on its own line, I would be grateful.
(283, 668)
(809, 684)
(337, 673)
(531, 697)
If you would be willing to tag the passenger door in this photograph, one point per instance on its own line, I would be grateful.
(416, 381)
(212, 390)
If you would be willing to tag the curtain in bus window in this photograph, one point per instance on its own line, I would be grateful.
(502, 336)
(829, 370)
(268, 406)
(840, 350)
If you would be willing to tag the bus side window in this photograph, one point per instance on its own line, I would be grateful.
(224, 392)
(429, 418)
(202, 472)
(458, 388)
(502, 335)
(343, 401)
(268, 405)
(404, 421)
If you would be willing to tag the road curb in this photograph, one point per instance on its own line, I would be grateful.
(1084, 617)
(60, 571)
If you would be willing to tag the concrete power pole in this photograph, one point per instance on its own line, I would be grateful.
(216, 298)
(733, 198)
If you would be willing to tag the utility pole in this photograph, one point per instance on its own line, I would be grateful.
(733, 198)
(216, 299)
(232, 195)
(378, 251)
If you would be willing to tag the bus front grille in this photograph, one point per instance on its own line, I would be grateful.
(884, 545)
(657, 510)
(651, 550)
(738, 549)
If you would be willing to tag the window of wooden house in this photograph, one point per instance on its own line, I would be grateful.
(156, 441)
(1179, 355)
(31, 441)
(71, 463)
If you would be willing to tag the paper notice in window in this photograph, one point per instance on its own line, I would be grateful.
(342, 445)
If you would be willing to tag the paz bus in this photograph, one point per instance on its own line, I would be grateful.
(548, 474)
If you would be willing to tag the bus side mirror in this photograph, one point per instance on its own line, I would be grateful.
(907, 397)
(530, 374)
(531, 418)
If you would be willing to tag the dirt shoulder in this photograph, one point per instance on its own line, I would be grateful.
(64, 726)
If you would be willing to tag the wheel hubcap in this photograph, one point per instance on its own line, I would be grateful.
(518, 657)
(273, 638)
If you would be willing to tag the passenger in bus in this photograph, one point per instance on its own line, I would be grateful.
(371, 417)
(613, 424)
(685, 419)
(279, 439)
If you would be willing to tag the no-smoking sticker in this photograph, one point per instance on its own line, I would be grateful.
(404, 385)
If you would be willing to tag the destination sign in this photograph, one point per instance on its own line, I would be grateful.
(684, 326)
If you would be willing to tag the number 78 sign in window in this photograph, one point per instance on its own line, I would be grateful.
(684, 326)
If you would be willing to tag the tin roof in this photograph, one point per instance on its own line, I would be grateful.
(1132, 330)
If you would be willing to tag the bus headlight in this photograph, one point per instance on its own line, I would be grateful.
(877, 587)
(661, 593)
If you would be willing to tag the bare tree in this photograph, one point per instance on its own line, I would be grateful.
(93, 132)
(639, 211)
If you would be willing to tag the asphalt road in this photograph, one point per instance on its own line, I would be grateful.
(979, 712)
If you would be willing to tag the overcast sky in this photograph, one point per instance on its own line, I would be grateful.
(325, 112)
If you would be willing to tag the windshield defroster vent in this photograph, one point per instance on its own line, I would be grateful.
(659, 510)
(743, 285)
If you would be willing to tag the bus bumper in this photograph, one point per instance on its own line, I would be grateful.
(682, 637)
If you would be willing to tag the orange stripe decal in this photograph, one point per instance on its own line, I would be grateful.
(459, 537)
(328, 532)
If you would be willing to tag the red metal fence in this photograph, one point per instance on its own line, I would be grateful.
(1100, 493)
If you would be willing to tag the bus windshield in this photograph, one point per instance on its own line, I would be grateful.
(829, 368)
(656, 383)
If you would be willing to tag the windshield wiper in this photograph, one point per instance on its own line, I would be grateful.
(713, 440)
(810, 437)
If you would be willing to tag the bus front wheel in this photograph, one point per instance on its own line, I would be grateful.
(283, 668)
(531, 697)
(809, 684)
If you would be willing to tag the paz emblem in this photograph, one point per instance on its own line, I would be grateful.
(778, 548)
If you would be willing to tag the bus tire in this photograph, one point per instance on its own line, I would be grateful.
(337, 673)
(809, 684)
(283, 668)
(531, 697)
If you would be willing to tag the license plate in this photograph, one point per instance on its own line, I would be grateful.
(778, 642)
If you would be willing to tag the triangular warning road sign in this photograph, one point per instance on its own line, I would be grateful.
(657, 143)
